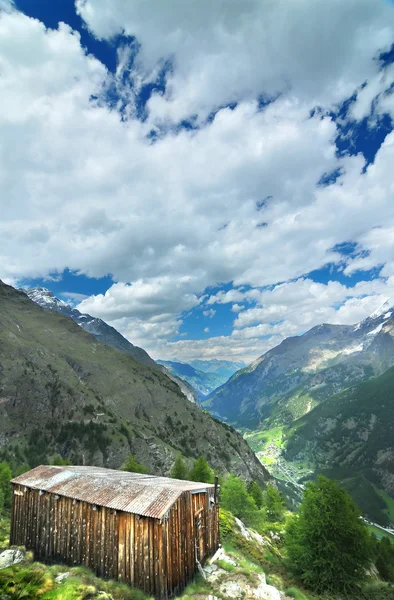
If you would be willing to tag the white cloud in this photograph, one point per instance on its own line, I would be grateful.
(142, 299)
(209, 313)
(206, 330)
(6, 5)
(82, 189)
(237, 308)
(226, 51)
(73, 297)
(372, 91)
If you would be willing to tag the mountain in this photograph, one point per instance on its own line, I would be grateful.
(350, 437)
(64, 392)
(202, 383)
(223, 368)
(105, 333)
(290, 379)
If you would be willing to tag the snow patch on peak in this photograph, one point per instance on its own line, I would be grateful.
(354, 349)
(376, 330)
(45, 298)
(381, 310)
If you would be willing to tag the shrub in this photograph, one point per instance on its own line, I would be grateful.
(201, 471)
(130, 464)
(179, 469)
(327, 543)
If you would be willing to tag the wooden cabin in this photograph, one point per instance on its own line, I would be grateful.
(151, 532)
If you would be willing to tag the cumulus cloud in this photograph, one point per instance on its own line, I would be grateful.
(228, 51)
(233, 201)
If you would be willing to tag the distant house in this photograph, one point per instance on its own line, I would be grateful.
(150, 532)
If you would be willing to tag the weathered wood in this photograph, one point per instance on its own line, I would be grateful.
(156, 555)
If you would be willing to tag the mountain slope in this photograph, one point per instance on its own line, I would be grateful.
(224, 368)
(351, 435)
(302, 371)
(202, 383)
(106, 334)
(62, 391)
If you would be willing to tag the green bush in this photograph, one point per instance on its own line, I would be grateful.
(201, 471)
(133, 466)
(179, 469)
(327, 543)
(5, 488)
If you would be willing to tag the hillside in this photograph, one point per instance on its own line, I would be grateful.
(202, 383)
(351, 437)
(290, 379)
(63, 392)
(106, 334)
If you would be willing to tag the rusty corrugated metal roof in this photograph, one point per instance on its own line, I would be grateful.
(144, 495)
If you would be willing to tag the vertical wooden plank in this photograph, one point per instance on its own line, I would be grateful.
(41, 525)
(112, 555)
(151, 523)
(127, 547)
(163, 554)
(115, 542)
(109, 540)
(121, 546)
(132, 548)
(139, 561)
(104, 516)
(146, 553)
(34, 522)
(156, 557)
(67, 529)
(48, 508)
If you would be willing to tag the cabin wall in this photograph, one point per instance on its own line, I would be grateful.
(157, 556)
(59, 530)
(191, 533)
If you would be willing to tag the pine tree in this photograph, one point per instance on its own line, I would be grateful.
(179, 469)
(130, 464)
(5, 488)
(60, 461)
(256, 492)
(201, 471)
(234, 497)
(327, 543)
(274, 503)
(385, 559)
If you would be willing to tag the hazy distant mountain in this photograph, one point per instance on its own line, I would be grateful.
(224, 368)
(64, 392)
(104, 333)
(290, 379)
(202, 383)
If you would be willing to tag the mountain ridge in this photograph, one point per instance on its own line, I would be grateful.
(329, 356)
(105, 333)
(64, 392)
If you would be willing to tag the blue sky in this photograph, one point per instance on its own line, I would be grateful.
(209, 178)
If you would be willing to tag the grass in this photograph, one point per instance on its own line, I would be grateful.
(294, 592)
(4, 532)
(196, 587)
(379, 532)
(389, 501)
(226, 566)
(36, 581)
(260, 439)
